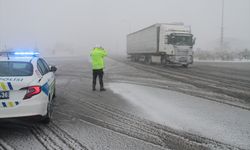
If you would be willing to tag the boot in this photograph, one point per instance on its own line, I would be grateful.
(102, 89)
(93, 88)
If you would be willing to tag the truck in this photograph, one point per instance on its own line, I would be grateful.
(169, 43)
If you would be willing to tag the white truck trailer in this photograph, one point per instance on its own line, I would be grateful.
(172, 43)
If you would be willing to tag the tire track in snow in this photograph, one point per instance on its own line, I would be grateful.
(5, 146)
(65, 137)
(139, 128)
(167, 135)
(133, 126)
(45, 139)
(54, 138)
(229, 88)
(195, 78)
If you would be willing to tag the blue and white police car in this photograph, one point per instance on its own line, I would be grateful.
(27, 86)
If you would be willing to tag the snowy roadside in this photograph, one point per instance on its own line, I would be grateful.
(224, 61)
(183, 112)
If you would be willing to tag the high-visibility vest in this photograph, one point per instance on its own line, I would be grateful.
(97, 57)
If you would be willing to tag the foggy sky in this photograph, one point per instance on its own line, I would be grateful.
(80, 24)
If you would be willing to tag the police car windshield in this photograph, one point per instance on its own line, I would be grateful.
(9, 68)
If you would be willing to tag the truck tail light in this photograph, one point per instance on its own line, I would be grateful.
(31, 91)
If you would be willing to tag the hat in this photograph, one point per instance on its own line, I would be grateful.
(97, 46)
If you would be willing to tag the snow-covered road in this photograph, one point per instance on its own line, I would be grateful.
(153, 116)
(214, 120)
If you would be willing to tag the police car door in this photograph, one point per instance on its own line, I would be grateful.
(47, 80)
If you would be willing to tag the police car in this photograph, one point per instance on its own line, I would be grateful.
(27, 86)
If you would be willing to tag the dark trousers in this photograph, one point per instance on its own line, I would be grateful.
(98, 73)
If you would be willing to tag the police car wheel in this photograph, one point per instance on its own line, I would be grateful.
(47, 118)
(54, 95)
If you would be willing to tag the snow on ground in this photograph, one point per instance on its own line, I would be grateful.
(224, 61)
(98, 138)
(196, 115)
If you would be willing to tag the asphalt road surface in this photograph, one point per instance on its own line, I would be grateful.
(130, 115)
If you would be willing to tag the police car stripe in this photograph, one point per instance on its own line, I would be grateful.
(10, 86)
(9, 104)
(45, 88)
(6, 87)
(3, 86)
(4, 104)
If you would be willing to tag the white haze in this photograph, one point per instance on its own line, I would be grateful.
(75, 26)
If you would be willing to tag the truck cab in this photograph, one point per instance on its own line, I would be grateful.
(177, 44)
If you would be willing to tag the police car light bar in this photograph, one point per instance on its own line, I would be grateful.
(19, 53)
(26, 53)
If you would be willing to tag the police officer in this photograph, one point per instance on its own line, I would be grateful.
(97, 57)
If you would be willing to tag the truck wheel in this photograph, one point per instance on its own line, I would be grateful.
(185, 65)
(132, 58)
(163, 60)
(192, 59)
(148, 60)
(136, 58)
